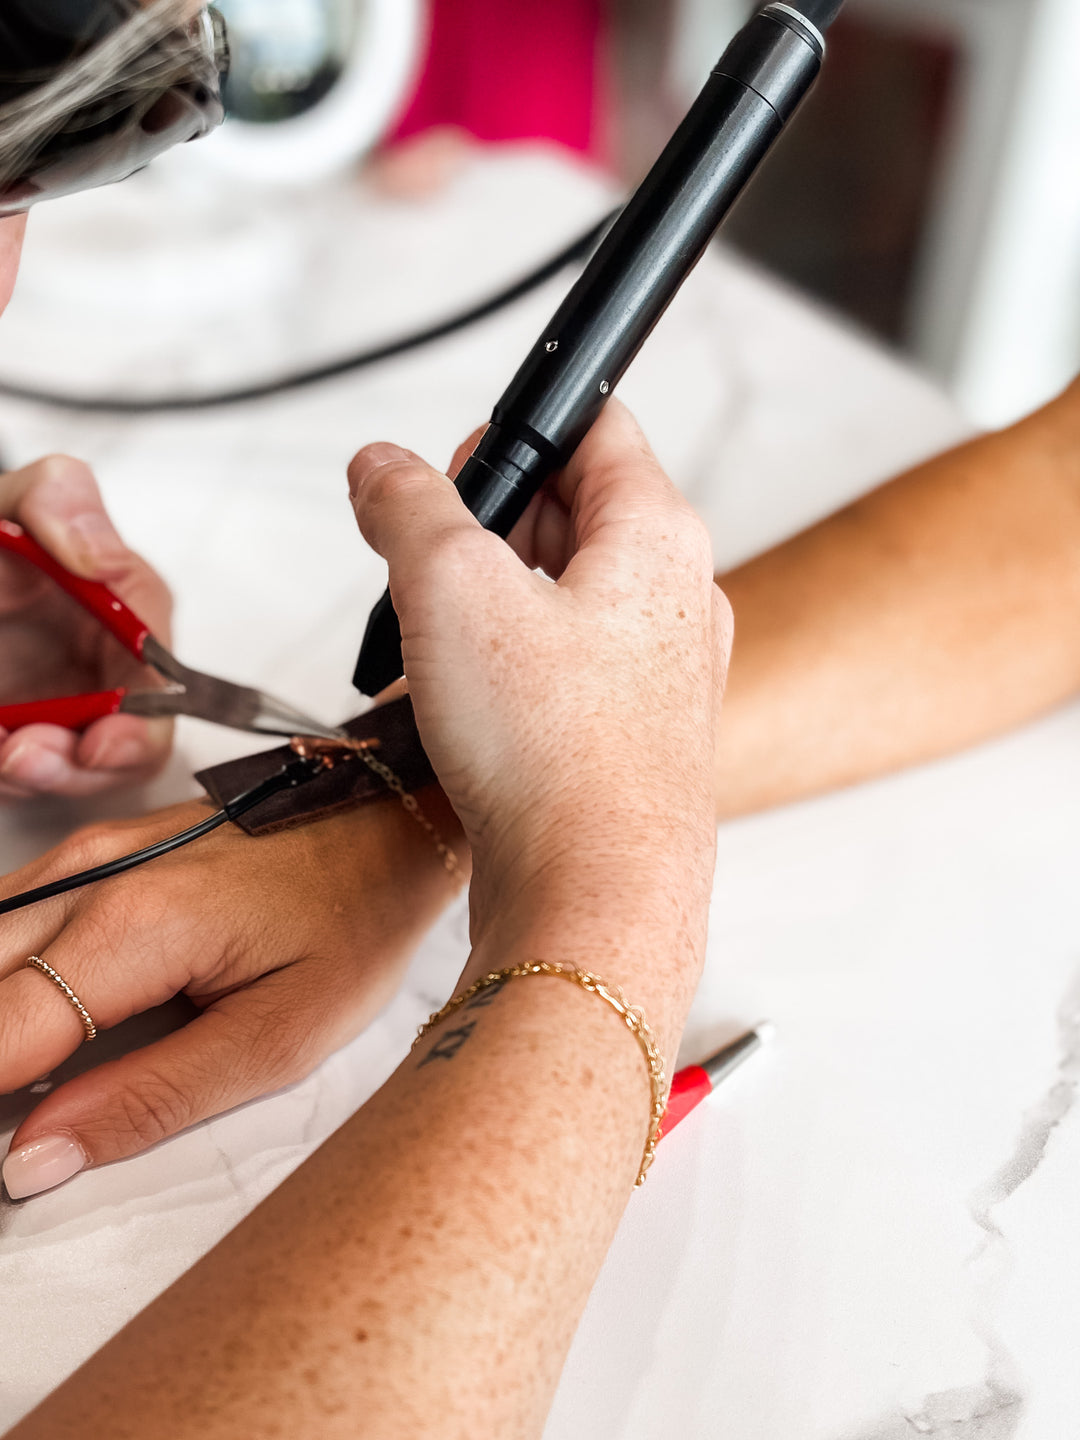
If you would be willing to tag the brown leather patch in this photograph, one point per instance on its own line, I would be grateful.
(350, 782)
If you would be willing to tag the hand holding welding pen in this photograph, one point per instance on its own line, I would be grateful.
(650, 250)
(524, 738)
(230, 920)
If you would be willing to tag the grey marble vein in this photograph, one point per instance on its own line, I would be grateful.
(971, 1414)
(993, 1410)
(981, 1412)
(1038, 1125)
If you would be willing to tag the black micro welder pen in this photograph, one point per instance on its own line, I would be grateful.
(630, 281)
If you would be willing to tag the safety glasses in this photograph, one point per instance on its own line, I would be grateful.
(93, 90)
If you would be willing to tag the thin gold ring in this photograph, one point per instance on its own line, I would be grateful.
(35, 962)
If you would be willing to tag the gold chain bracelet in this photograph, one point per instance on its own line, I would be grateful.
(630, 1015)
(329, 751)
(411, 806)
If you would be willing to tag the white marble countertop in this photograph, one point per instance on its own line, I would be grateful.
(869, 1234)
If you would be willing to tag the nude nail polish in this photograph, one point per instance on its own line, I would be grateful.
(96, 537)
(41, 1164)
(34, 766)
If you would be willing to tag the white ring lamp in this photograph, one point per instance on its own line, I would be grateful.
(352, 118)
(215, 208)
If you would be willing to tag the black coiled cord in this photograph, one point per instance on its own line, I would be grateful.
(165, 404)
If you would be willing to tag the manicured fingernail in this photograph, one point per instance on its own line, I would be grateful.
(383, 453)
(95, 538)
(33, 766)
(122, 754)
(42, 1164)
(371, 458)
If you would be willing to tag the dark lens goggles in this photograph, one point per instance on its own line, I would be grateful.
(93, 90)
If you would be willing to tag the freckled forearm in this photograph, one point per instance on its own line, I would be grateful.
(427, 1267)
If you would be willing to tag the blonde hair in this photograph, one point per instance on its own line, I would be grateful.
(147, 53)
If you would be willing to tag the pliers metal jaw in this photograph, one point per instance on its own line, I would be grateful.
(188, 692)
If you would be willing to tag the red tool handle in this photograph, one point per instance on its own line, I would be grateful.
(94, 597)
(74, 712)
(688, 1089)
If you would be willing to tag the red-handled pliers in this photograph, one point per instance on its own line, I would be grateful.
(188, 693)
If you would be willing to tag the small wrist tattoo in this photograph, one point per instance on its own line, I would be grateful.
(481, 993)
(448, 1046)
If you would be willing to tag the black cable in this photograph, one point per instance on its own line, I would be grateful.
(296, 772)
(164, 404)
(114, 867)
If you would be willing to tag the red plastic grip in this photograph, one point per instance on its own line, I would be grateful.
(74, 712)
(688, 1089)
(94, 597)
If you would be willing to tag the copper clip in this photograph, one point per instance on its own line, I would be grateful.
(330, 752)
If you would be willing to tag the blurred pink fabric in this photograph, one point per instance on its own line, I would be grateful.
(507, 70)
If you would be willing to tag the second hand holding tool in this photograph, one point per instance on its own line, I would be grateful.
(189, 692)
(636, 272)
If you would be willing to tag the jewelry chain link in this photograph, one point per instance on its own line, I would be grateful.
(633, 1018)
(327, 752)
(412, 807)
